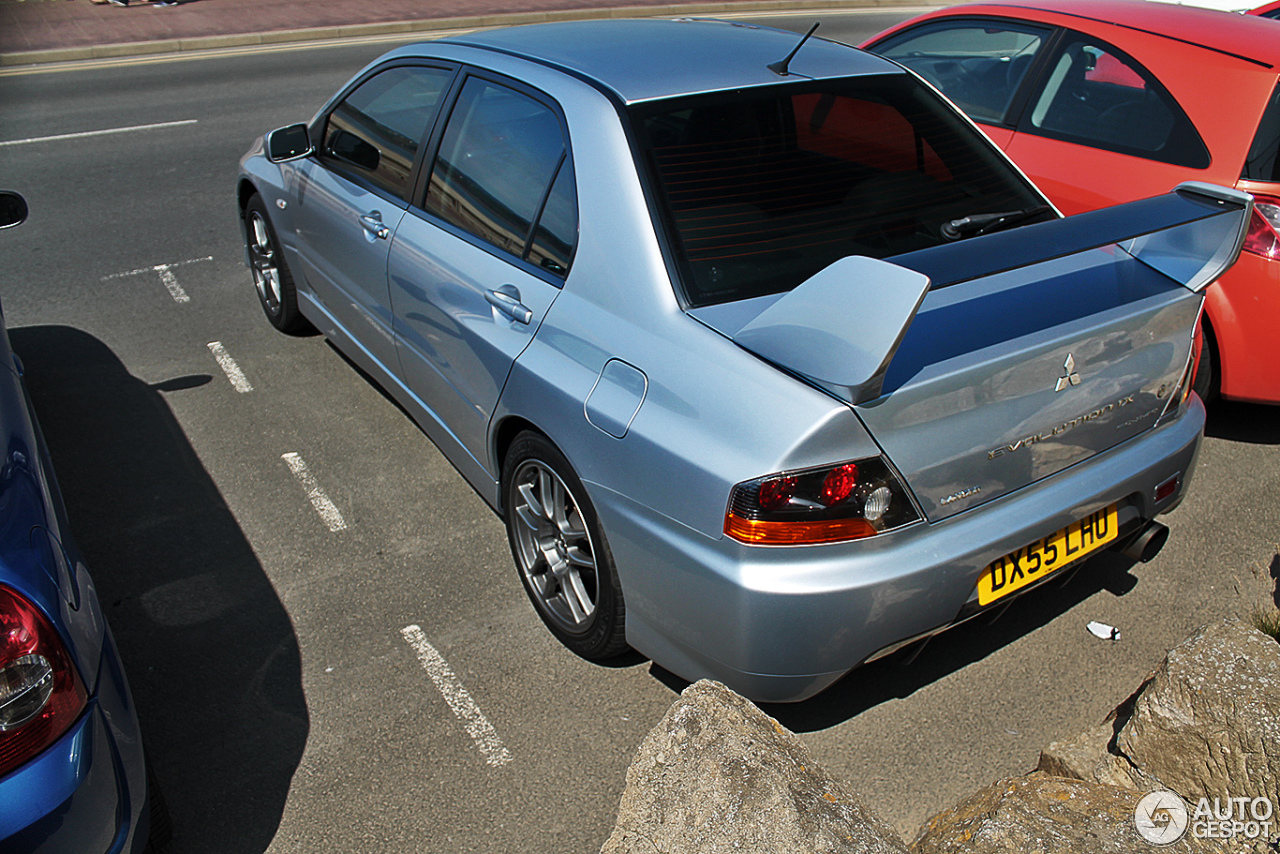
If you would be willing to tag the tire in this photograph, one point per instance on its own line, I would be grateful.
(560, 550)
(1206, 378)
(271, 276)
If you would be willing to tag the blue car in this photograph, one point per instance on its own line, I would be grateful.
(769, 360)
(72, 774)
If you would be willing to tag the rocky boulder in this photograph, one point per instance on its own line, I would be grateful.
(1042, 814)
(1205, 725)
(1208, 722)
(718, 775)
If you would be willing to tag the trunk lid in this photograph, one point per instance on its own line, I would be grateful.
(985, 365)
(1005, 380)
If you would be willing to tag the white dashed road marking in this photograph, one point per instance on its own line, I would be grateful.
(89, 133)
(328, 511)
(229, 367)
(459, 700)
(167, 277)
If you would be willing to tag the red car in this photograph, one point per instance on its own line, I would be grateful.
(1107, 101)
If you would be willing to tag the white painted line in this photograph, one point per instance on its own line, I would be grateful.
(327, 509)
(89, 133)
(167, 278)
(229, 367)
(455, 694)
(171, 284)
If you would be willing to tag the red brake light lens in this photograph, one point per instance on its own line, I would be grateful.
(839, 484)
(830, 504)
(41, 694)
(777, 492)
(1264, 228)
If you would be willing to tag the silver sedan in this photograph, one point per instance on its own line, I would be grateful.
(769, 360)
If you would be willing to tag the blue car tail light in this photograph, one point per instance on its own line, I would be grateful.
(41, 694)
(829, 504)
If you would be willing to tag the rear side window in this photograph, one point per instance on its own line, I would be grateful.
(1095, 95)
(376, 130)
(503, 175)
(764, 187)
(978, 64)
(1263, 163)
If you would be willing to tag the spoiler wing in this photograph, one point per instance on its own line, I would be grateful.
(840, 328)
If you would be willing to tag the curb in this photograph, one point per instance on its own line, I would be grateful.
(162, 47)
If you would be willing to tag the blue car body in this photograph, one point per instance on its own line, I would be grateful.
(87, 791)
(736, 345)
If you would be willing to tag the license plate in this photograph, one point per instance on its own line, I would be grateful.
(1031, 563)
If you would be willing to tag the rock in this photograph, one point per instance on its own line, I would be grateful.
(1043, 814)
(1208, 723)
(1087, 757)
(718, 775)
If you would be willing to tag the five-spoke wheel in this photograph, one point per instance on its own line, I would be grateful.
(271, 276)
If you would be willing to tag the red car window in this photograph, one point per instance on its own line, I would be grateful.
(1095, 95)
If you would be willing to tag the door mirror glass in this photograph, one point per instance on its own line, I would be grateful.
(13, 209)
(351, 148)
(288, 143)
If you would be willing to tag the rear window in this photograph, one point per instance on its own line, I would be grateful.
(761, 188)
(1263, 164)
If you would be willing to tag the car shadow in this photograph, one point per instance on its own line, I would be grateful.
(902, 674)
(1254, 423)
(208, 647)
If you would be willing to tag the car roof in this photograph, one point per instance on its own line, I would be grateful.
(647, 59)
(1246, 36)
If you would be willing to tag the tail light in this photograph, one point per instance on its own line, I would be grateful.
(1264, 228)
(829, 504)
(41, 694)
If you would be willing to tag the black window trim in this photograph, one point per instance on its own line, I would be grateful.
(431, 149)
(335, 166)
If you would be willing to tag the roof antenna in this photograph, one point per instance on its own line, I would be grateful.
(781, 67)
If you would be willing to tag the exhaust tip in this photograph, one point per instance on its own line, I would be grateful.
(1147, 543)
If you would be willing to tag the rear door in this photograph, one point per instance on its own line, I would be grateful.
(475, 267)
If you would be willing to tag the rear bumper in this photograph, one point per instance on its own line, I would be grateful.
(87, 793)
(782, 624)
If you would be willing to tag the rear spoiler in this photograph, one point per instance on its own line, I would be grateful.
(1192, 235)
(840, 328)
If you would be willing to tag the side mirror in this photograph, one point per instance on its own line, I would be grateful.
(288, 143)
(13, 209)
(351, 148)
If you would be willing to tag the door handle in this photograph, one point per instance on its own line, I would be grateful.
(506, 299)
(372, 223)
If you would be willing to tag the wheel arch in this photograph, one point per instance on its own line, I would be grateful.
(503, 436)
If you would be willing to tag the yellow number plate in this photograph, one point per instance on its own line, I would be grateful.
(1030, 564)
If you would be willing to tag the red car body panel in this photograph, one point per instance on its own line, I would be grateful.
(1222, 68)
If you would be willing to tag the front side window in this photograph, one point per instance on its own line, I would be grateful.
(376, 130)
(1095, 95)
(764, 187)
(978, 64)
(502, 169)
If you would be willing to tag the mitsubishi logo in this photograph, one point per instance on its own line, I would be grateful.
(1072, 377)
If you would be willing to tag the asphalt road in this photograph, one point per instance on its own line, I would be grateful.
(367, 675)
